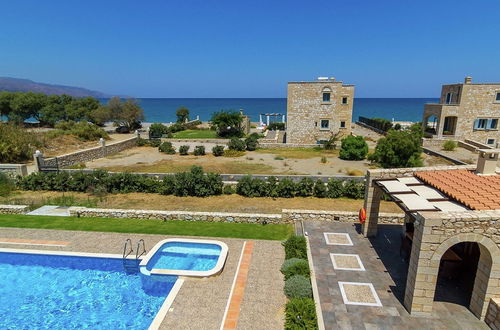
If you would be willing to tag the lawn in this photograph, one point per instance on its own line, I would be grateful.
(196, 134)
(187, 228)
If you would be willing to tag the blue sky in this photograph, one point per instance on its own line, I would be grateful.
(252, 48)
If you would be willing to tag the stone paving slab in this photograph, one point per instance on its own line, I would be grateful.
(200, 303)
(386, 271)
(54, 210)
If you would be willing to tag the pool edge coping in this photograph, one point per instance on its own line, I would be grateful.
(188, 273)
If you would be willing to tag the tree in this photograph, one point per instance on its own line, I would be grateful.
(353, 148)
(81, 108)
(100, 115)
(5, 103)
(126, 113)
(25, 106)
(227, 123)
(399, 149)
(53, 111)
(182, 115)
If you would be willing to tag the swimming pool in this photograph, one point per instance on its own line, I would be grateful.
(64, 291)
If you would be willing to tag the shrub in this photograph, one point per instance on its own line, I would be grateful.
(158, 129)
(228, 190)
(227, 123)
(276, 126)
(295, 247)
(335, 188)
(323, 159)
(233, 153)
(298, 286)
(249, 186)
(236, 144)
(182, 114)
(320, 189)
(183, 150)
(305, 187)
(199, 151)
(155, 143)
(295, 266)
(167, 148)
(196, 183)
(6, 185)
(218, 151)
(82, 130)
(397, 127)
(177, 127)
(449, 145)
(354, 189)
(353, 148)
(300, 313)
(17, 144)
(271, 189)
(251, 143)
(286, 188)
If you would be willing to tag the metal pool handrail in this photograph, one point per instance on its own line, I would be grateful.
(125, 253)
(137, 255)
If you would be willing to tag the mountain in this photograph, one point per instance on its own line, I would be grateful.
(26, 85)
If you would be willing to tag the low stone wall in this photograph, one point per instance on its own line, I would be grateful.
(492, 318)
(87, 155)
(337, 216)
(14, 209)
(448, 158)
(13, 170)
(286, 145)
(215, 141)
(176, 215)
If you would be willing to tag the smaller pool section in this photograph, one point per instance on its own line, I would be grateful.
(185, 257)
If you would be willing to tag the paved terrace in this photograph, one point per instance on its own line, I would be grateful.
(356, 306)
(256, 302)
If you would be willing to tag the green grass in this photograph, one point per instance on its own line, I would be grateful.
(196, 134)
(173, 227)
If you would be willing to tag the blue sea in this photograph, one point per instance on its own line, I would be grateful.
(163, 109)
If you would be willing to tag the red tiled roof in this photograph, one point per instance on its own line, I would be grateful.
(477, 192)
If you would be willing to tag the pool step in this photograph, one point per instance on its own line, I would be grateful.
(131, 265)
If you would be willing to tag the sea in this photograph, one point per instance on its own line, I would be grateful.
(163, 109)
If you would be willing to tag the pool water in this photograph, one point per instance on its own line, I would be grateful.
(65, 292)
(185, 256)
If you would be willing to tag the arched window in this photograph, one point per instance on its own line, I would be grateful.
(327, 92)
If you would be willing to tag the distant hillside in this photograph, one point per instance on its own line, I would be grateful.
(26, 85)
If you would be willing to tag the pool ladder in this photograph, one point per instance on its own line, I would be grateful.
(132, 265)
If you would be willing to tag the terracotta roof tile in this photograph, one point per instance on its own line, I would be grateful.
(474, 191)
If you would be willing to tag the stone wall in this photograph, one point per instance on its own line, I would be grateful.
(13, 170)
(14, 209)
(337, 216)
(87, 155)
(306, 109)
(492, 318)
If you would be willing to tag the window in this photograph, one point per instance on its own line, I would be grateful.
(342, 124)
(498, 97)
(344, 100)
(325, 124)
(485, 123)
(492, 124)
(490, 141)
(326, 97)
(449, 97)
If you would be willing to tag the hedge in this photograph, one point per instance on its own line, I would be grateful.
(295, 247)
(295, 266)
(298, 286)
(300, 313)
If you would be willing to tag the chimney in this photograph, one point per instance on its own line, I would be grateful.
(468, 80)
(487, 161)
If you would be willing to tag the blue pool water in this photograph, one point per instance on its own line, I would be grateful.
(66, 292)
(185, 256)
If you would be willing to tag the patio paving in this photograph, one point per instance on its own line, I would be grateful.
(385, 270)
(200, 303)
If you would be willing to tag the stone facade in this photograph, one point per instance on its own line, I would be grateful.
(14, 209)
(459, 108)
(312, 115)
(13, 170)
(492, 318)
(337, 216)
(87, 155)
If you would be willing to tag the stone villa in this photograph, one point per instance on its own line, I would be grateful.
(465, 111)
(451, 231)
(318, 109)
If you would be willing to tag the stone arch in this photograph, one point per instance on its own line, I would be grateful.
(489, 259)
(326, 89)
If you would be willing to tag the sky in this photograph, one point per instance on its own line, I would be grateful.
(219, 48)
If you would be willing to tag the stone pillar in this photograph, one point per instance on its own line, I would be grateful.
(137, 134)
(373, 194)
(282, 118)
(267, 119)
(260, 120)
(39, 160)
(480, 297)
(422, 271)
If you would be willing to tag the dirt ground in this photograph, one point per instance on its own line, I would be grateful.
(223, 203)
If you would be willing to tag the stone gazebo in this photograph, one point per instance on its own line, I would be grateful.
(446, 207)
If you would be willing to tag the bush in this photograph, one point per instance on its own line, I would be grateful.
(251, 142)
(449, 145)
(233, 153)
(17, 144)
(82, 130)
(218, 151)
(298, 286)
(6, 185)
(353, 148)
(397, 127)
(236, 144)
(158, 129)
(183, 150)
(295, 247)
(228, 190)
(286, 188)
(148, 143)
(167, 148)
(295, 266)
(335, 188)
(300, 313)
(320, 189)
(354, 189)
(227, 123)
(305, 187)
(249, 186)
(276, 126)
(199, 151)
(196, 183)
(177, 127)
